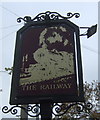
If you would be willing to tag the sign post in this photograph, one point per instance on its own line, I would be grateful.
(47, 63)
(46, 110)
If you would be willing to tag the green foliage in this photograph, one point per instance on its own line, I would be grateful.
(92, 95)
(9, 70)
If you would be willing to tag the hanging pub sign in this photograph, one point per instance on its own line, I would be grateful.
(47, 62)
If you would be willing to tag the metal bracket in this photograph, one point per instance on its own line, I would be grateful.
(84, 34)
(32, 111)
(57, 109)
(90, 31)
(47, 16)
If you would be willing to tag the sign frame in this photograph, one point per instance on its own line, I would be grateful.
(14, 99)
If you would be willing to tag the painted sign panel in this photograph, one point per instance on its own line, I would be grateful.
(48, 61)
(47, 65)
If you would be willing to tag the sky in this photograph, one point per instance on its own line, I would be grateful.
(10, 11)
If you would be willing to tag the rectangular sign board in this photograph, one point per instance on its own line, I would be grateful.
(47, 63)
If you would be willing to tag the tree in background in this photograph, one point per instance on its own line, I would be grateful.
(23, 114)
(92, 95)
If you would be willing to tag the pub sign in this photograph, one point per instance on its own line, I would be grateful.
(47, 62)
